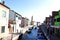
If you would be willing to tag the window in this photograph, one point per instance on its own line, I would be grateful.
(3, 29)
(58, 19)
(19, 17)
(19, 25)
(54, 20)
(3, 13)
(16, 16)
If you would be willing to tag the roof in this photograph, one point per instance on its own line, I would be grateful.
(16, 13)
(23, 18)
(4, 5)
(54, 13)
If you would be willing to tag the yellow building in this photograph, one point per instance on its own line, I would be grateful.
(4, 17)
(32, 22)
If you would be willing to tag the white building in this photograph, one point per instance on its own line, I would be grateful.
(4, 17)
(18, 22)
(14, 22)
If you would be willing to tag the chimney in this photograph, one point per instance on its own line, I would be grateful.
(3, 2)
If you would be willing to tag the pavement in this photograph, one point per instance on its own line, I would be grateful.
(11, 37)
(49, 36)
(54, 37)
(8, 37)
(15, 36)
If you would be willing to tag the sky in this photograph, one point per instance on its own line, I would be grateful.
(39, 9)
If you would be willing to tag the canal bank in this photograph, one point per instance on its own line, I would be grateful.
(32, 34)
(48, 35)
(44, 30)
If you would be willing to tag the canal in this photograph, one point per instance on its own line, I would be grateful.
(34, 33)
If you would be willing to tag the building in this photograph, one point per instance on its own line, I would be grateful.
(57, 23)
(26, 21)
(47, 22)
(4, 17)
(32, 20)
(38, 23)
(18, 22)
(22, 22)
(57, 19)
(54, 22)
(12, 21)
(54, 13)
(51, 21)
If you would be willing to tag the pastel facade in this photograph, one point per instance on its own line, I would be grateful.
(22, 22)
(12, 21)
(54, 13)
(18, 23)
(26, 21)
(4, 17)
(57, 23)
(57, 19)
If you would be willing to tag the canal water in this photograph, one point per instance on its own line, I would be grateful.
(33, 34)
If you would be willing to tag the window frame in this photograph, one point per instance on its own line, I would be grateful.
(55, 20)
(58, 19)
(3, 13)
(2, 29)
